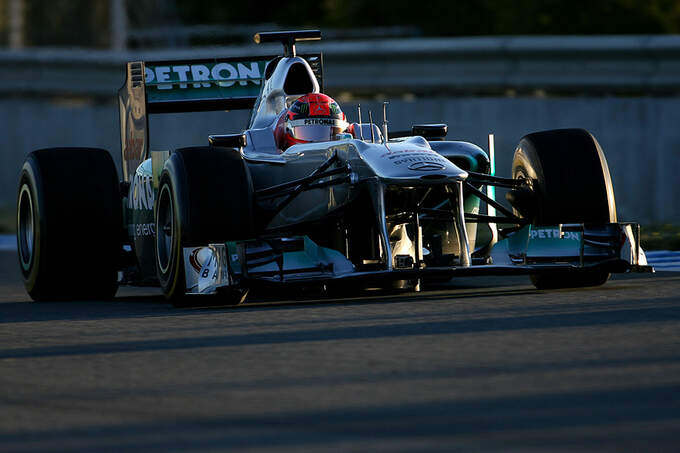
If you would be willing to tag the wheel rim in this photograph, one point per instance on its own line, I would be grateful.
(25, 227)
(165, 230)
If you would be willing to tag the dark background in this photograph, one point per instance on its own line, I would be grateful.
(86, 22)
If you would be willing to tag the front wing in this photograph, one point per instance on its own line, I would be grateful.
(566, 249)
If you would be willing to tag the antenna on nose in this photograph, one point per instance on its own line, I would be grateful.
(361, 127)
(385, 120)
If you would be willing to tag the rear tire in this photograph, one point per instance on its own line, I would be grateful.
(69, 224)
(573, 185)
(205, 196)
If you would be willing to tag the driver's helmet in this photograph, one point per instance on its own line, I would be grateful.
(314, 117)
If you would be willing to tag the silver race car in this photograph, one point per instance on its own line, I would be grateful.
(339, 205)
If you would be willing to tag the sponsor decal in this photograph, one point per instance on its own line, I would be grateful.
(320, 109)
(554, 233)
(334, 122)
(133, 148)
(417, 159)
(397, 153)
(196, 261)
(425, 166)
(202, 75)
(199, 258)
(411, 159)
(142, 193)
(208, 274)
(323, 122)
(144, 229)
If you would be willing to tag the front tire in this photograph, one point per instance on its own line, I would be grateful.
(572, 185)
(205, 196)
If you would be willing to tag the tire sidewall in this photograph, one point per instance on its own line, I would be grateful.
(527, 165)
(171, 278)
(30, 178)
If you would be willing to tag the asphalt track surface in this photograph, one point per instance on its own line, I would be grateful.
(485, 364)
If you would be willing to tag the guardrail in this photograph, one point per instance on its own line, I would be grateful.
(480, 65)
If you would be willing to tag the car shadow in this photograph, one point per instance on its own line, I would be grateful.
(144, 302)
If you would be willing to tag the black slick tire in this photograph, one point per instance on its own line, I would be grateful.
(205, 196)
(572, 185)
(69, 224)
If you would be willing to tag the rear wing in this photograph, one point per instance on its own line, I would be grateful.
(176, 86)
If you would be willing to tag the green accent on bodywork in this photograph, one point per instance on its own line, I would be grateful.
(474, 164)
(519, 242)
(320, 254)
(201, 80)
(311, 256)
(546, 242)
(471, 204)
(138, 212)
(233, 257)
(491, 190)
(466, 162)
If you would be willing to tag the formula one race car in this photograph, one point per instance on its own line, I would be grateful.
(357, 207)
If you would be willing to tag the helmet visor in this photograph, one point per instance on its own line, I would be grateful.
(316, 130)
(315, 133)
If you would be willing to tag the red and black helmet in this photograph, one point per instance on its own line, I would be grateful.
(314, 117)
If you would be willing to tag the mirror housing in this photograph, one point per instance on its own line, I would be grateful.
(430, 131)
(228, 140)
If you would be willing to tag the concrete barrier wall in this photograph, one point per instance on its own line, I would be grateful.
(489, 65)
(638, 134)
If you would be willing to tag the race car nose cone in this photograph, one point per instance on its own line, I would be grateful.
(409, 160)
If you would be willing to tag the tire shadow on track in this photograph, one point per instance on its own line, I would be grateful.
(133, 306)
(264, 301)
(454, 290)
(144, 302)
(499, 323)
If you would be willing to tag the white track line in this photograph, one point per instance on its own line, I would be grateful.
(664, 260)
(8, 242)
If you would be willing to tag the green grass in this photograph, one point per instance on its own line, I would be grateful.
(660, 237)
(7, 219)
